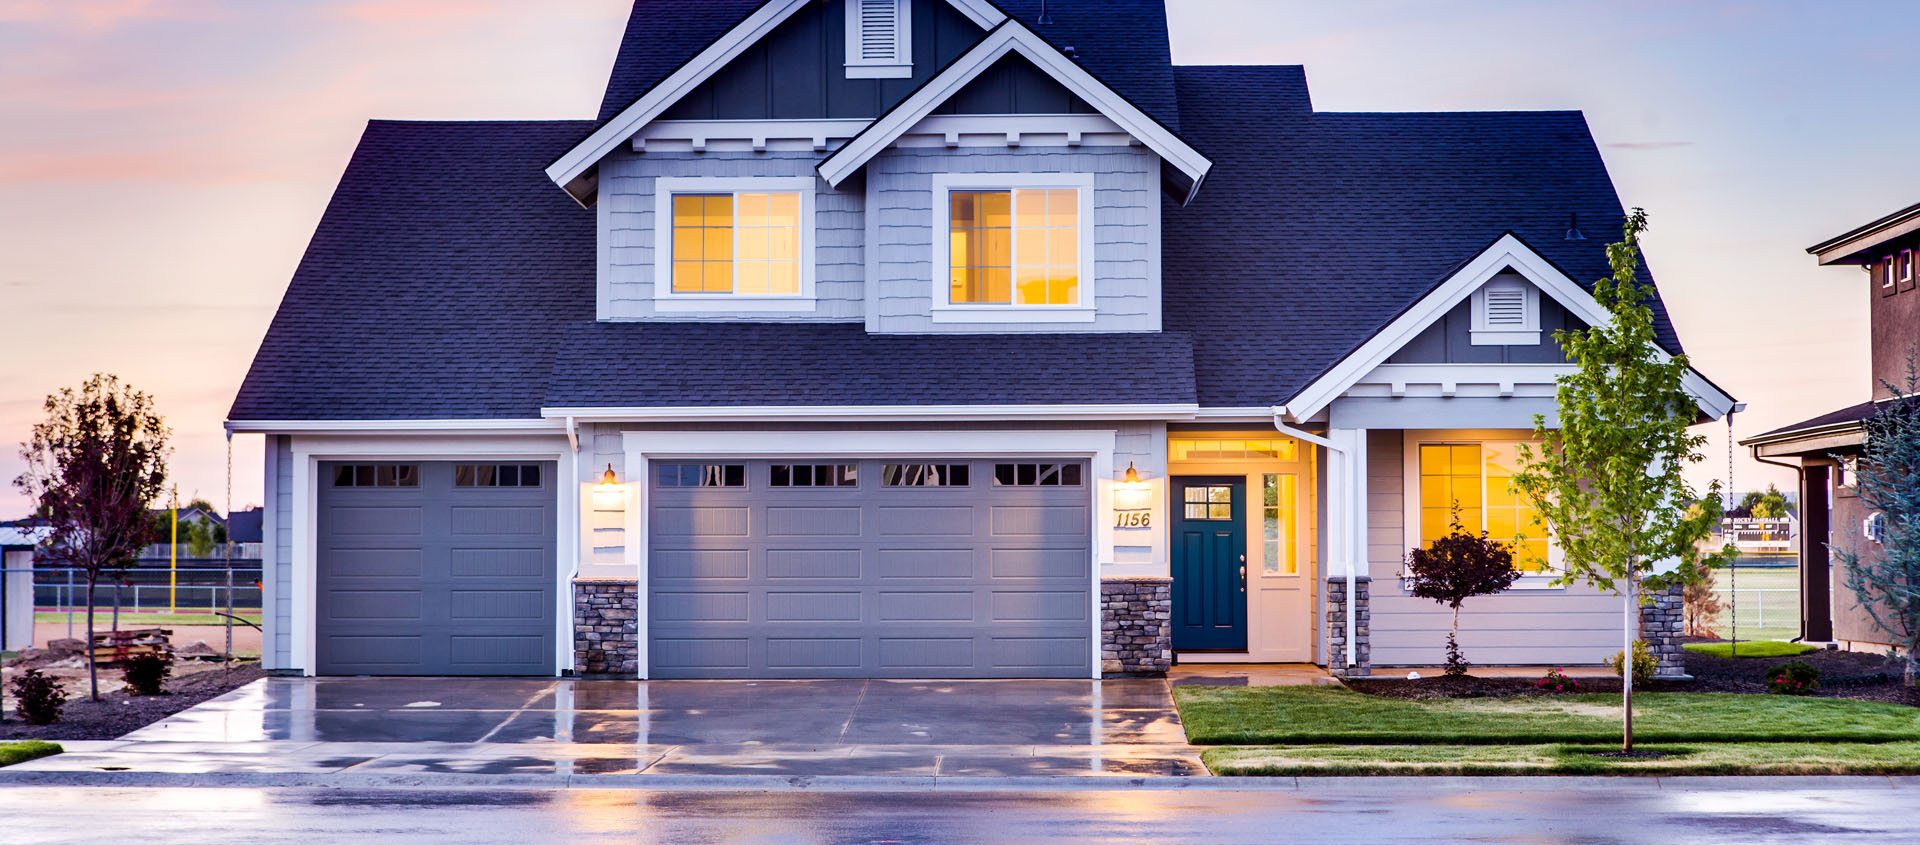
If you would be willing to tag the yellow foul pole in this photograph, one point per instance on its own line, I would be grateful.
(173, 552)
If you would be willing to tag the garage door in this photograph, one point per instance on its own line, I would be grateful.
(436, 568)
(922, 568)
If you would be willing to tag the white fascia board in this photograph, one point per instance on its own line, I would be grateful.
(539, 426)
(659, 98)
(877, 413)
(983, 13)
(1508, 252)
(1011, 36)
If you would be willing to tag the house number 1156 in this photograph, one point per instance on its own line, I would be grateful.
(1133, 519)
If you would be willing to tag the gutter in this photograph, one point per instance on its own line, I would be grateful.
(1279, 414)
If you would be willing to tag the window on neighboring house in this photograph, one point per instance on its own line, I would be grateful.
(1506, 312)
(879, 39)
(1886, 277)
(736, 240)
(1903, 269)
(1477, 480)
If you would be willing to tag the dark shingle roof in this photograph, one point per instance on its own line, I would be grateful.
(695, 364)
(1339, 222)
(1849, 414)
(442, 274)
(661, 36)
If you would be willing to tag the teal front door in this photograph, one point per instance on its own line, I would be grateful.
(1209, 563)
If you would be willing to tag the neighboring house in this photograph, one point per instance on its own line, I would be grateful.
(944, 339)
(1824, 449)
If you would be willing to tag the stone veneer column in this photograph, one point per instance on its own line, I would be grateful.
(1337, 628)
(1136, 625)
(606, 627)
(1662, 625)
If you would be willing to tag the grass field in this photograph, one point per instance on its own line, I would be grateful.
(1733, 758)
(1761, 648)
(140, 620)
(1766, 602)
(1330, 715)
(20, 752)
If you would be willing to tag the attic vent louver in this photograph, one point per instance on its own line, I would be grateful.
(879, 39)
(1506, 307)
(1506, 312)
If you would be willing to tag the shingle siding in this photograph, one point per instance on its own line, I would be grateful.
(1126, 281)
(627, 192)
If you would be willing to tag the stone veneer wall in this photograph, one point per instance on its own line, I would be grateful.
(1136, 626)
(606, 627)
(1337, 628)
(1662, 625)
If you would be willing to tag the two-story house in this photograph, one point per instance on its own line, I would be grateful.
(923, 338)
(1825, 449)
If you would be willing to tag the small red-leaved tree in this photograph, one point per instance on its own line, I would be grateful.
(93, 467)
(1455, 568)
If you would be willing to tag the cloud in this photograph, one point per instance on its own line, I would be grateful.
(1647, 145)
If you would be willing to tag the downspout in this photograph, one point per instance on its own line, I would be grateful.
(1800, 486)
(1279, 413)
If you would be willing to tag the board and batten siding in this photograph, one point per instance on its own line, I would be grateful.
(1572, 626)
(278, 525)
(1126, 209)
(626, 234)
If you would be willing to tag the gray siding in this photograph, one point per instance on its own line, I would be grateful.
(1448, 340)
(1126, 274)
(278, 523)
(627, 234)
(1014, 85)
(1571, 626)
(799, 70)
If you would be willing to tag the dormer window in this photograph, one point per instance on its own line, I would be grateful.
(1012, 247)
(1506, 312)
(733, 244)
(879, 39)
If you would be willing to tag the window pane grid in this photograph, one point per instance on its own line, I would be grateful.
(1014, 247)
(1232, 450)
(814, 475)
(924, 475)
(1479, 477)
(377, 475)
(746, 243)
(1036, 475)
(701, 475)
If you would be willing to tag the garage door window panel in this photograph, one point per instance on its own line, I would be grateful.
(376, 475)
(813, 475)
(702, 475)
(924, 475)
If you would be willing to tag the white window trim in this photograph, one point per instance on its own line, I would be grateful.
(1904, 264)
(901, 67)
(1410, 500)
(1888, 278)
(664, 297)
(1483, 333)
(947, 311)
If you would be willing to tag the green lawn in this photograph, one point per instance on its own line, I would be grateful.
(1734, 758)
(21, 752)
(102, 618)
(1758, 648)
(1331, 715)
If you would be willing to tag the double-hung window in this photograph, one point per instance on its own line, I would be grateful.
(1013, 247)
(733, 244)
(1472, 483)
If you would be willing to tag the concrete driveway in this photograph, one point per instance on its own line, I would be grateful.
(493, 726)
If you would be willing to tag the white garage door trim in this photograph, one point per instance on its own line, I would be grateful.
(641, 447)
(308, 452)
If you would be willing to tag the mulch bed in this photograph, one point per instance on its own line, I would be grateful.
(118, 713)
(1856, 675)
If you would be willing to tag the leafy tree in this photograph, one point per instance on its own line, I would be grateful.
(1455, 568)
(1886, 581)
(94, 466)
(1772, 504)
(1608, 479)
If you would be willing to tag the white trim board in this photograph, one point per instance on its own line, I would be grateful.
(1012, 37)
(889, 413)
(308, 452)
(640, 447)
(1507, 252)
(495, 426)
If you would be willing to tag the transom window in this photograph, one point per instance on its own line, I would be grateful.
(740, 242)
(1014, 247)
(924, 475)
(814, 475)
(376, 475)
(701, 475)
(1233, 450)
(1279, 512)
(1207, 501)
(1036, 475)
(496, 475)
(1478, 479)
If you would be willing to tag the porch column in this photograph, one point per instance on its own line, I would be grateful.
(1347, 582)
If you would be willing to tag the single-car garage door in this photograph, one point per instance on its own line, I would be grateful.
(843, 568)
(436, 568)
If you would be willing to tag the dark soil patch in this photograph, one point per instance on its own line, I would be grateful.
(118, 713)
(1629, 755)
(1861, 676)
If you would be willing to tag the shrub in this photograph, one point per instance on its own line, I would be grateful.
(1455, 568)
(1643, 663)
(1557, 681)
(1794, 678)
(38, 697)
(146, 673)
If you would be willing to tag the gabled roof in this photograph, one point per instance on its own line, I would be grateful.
(1009, 38)
(1850, 245)
(1339, 222)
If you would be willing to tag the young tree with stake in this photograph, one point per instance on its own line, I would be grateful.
(1608, 479)
(93, 467)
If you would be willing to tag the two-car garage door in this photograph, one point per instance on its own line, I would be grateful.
(872, 568)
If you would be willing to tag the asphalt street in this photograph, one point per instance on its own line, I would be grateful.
(1529, 810)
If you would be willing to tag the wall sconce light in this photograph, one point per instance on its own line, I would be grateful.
(608, 480)
(1132, 479)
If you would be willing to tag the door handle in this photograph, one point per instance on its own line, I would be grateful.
(1243, 575)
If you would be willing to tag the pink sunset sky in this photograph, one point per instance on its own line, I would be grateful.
(162, 164)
